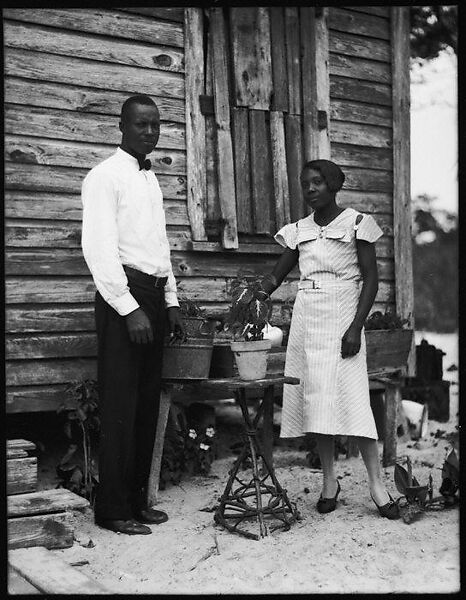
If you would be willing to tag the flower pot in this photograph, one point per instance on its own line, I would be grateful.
(189, 360)
(387, 348)
(274, 334)
(251, 358)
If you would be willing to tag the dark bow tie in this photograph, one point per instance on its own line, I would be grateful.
(144, 164)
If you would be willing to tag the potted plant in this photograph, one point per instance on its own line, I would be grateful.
(247, 317)
(190, 358)
(388, 340)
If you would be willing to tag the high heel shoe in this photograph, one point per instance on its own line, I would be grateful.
(390, 510)
(326, 505)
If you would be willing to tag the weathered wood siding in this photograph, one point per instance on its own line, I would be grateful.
(67, 72)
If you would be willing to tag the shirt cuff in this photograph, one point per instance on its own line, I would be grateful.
(171, 299)
(124, 304)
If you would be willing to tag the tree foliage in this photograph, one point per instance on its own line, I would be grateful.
(435, 267)
(433, 29)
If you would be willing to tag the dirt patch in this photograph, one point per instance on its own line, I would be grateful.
(350, 550)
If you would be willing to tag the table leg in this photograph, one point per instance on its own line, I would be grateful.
(153, 483)
(392, 400)
(267, 428)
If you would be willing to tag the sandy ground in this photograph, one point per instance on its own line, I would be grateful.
(352, 550)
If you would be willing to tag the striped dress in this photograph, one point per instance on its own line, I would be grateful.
(333, 396)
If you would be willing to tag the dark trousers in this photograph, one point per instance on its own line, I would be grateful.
(129, 378)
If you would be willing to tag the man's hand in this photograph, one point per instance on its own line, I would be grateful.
(139, 327)
(176, 325)
(351, 341)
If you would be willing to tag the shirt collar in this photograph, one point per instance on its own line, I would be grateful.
(127, 157)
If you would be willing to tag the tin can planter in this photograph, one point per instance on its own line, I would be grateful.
(387, 348)
(188, 360)
(251, 358)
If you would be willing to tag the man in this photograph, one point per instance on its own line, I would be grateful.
(125, 246)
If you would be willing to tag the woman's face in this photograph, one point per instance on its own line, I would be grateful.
(315, 192)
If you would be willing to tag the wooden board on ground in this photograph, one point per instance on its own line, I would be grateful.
(17, 584)
(50, 574)
(50, 531)
(44, 502)
(21, 475)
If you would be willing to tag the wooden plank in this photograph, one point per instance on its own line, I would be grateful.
(104, 22)
(16, 454)
(261, 173)
(195, 122)
(37, 399)
(20, 444)
(352, 44)
(359, 68)
(156, 460)
(292, 41)
(83, 155)
(279, 171)
(294, 162)
(89, 73)
(242, 169)
(21, 204)
(44, 178)
(44, 502)
(357, 112)
(52, 575)
(81, 127)
(37, 318)
(81, 99)
(322, 80)
(369, 181)
(64, 43)
(279, 99)
(380, 11)
(401, 167)
(392, 402)
(251, 57)
(21, 347)
(49, 289)
(226, 180)
(354, 156)
(346, 88)
(21, 475)
(361, 134)
(18, 585)
(359, 23)
(212, 205)
(310, 105)
(371, 202)
(50, 371)
(40, 261)
(158, 12)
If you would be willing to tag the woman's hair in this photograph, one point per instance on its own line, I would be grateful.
(331, 172)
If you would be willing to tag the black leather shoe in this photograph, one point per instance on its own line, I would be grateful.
(390, 510)
(326, 505)
(130, 526)
(151, 516)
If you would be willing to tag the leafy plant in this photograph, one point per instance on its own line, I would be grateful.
(190, 308)
(81, 427)
(416, 498)
(250, 308)
(386, 320)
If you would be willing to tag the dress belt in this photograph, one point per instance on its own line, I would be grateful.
(152, 280)
(316, 284)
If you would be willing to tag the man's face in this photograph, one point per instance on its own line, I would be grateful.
(141, 128)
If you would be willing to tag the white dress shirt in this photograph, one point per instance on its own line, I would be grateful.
(124, 224)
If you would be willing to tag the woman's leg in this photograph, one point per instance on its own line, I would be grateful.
(325, 448)
(370, 455)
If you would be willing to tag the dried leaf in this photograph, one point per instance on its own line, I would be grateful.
(401, 478)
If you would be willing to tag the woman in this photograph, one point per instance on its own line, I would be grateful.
(326, 349)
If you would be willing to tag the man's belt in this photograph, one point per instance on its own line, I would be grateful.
(152, 280)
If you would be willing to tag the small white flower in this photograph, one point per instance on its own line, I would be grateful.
(204, 446)
(192, 434)
(210, 432)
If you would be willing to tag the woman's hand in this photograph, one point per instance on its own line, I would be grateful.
(351, 341)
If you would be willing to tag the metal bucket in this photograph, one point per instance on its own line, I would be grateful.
(189, 360)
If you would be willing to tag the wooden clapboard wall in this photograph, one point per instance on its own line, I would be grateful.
(67, 71)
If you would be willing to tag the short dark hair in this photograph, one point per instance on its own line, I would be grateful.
(330, 171)
(138, 99)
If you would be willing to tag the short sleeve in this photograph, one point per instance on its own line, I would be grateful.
(287, 236)
(368, 230)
